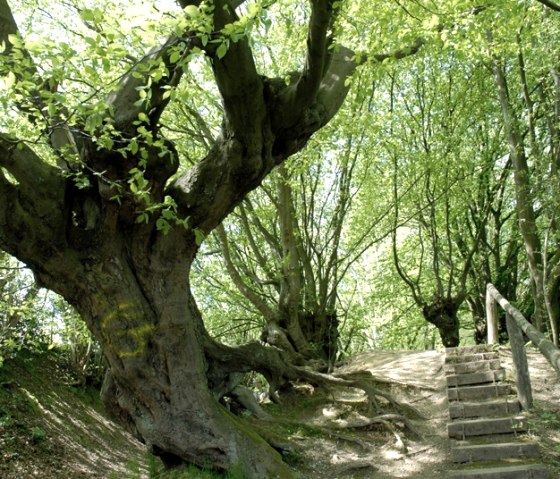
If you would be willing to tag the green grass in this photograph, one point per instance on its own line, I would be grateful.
(157, 471)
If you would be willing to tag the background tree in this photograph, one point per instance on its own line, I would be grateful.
(19, 315)
(440, 161)
(530, 123)
(287, 248)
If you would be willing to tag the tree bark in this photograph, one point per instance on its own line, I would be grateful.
(153, 337)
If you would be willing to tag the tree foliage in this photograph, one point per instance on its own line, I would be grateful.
(132, 130)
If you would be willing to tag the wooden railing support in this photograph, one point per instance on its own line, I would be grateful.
(519, 355)
(491, 318)
(545, 345)
(516, 325)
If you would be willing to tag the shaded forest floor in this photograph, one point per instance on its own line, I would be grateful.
(50, 429)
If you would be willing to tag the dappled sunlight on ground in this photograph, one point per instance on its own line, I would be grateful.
(61, 432)
(65, 435)
(376, 452)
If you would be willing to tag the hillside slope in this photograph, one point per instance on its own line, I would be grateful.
(49, 429)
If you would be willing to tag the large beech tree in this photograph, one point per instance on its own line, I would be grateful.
(94, 199)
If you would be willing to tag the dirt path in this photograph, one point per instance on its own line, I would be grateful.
(413, 378)
(418, 380)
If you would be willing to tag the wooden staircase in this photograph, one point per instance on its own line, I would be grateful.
(486, 422)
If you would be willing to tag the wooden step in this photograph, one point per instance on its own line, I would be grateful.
(473, 366)
(467, 358)
(475, 378)
(462, 350)
(486, 427)
(465, 393)
(493, 452)
(460, 409)
(531, 471)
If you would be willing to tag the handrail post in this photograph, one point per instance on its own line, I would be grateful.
(522, 378)
(491, 317)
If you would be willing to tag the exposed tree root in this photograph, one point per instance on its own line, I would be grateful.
(246, 398)
(384, 419)
(388, 421)
(277, 367)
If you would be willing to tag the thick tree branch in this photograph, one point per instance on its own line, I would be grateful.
(240, 85)
(7, 24)
(292, 137)
(317, 53)
(297, 98)
(31, 203)
(34, 176)
(126, 101)
(550, 4)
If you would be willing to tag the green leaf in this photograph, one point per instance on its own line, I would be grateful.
(163, 225)
(143, 218)
(10, 81)
(133, 147)
(222, 50)
(14, 40)
(199, 236)
(174, 57)
(87, 15)
(168, 214)
(192, 10)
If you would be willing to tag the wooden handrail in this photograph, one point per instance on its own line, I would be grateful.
(516, 324)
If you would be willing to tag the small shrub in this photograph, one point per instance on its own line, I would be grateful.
(37, 435)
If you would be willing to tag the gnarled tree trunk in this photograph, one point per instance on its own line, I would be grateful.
(442, 313)
(102, 246)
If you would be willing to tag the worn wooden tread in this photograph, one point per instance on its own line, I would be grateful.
(472, 366)
(493, 452)
(467, 358)
(479, 377)
(486, 426)
(464, 409)
(478, 392)
(462, 350)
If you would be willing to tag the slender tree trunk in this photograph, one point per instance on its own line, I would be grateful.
(290, 286)
(524, 199)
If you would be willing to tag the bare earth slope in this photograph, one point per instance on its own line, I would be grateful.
(413, 378)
